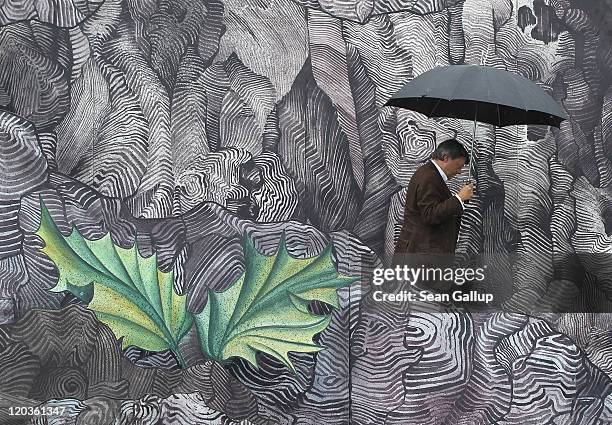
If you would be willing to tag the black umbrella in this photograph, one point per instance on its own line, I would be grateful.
(480, 93)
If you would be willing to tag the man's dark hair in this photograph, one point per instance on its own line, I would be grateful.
(453, 149)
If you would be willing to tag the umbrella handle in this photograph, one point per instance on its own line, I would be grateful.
(472, 149)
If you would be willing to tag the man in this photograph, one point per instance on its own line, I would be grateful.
(432, 214)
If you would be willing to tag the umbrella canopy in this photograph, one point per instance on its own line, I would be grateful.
(480, 93)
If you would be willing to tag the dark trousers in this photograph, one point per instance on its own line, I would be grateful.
(433, 268)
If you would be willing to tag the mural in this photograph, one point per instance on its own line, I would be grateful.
(193, 196)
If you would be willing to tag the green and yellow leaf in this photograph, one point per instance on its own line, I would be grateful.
(125, 290)
(266, 309)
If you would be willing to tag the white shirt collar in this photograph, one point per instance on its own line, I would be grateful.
(444, 177)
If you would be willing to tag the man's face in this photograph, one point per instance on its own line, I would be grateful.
(452, 167)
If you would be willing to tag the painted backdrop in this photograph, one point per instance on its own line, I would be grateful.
(190, 191)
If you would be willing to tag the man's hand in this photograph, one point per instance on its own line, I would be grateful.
(467, 191)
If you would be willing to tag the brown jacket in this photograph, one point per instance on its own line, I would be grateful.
(432, 215)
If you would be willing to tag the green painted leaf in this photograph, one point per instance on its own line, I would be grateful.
(125, 290)
(266, 309)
